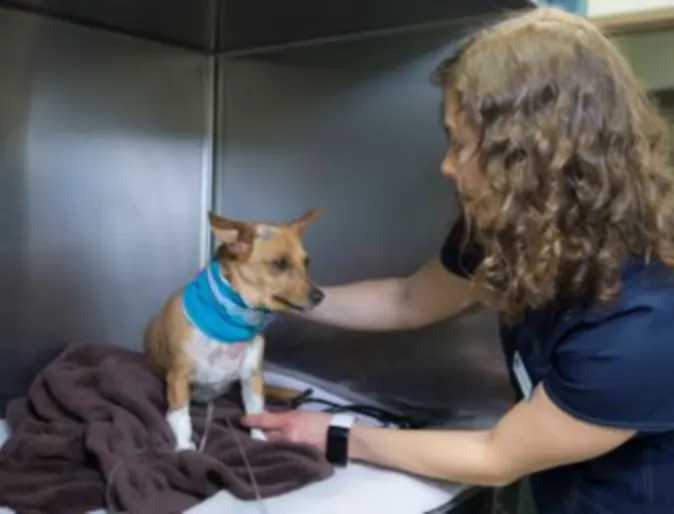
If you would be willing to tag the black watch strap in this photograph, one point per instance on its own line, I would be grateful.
(337, 444)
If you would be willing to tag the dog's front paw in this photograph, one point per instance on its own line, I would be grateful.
(257, 434)
(183, 445)
(181, 426)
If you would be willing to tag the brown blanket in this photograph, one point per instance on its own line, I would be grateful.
(96, 410)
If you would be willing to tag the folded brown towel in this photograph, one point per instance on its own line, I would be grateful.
(98, 410)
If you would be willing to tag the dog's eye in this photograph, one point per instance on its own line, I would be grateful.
(307, 261)
(281, 264)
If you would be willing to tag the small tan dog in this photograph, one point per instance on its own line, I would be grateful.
(208, 335)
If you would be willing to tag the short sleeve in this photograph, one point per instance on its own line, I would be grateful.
(618, 372)
(459, 255)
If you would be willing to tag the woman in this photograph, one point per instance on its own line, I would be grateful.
(560, 162)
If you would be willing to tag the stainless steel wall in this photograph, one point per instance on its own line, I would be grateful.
(101, 156)
(103, 149)
(354, 127)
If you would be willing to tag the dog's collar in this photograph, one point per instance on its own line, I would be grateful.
(230, 300)
(213, 306)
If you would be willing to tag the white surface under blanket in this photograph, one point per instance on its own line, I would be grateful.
(357, 489)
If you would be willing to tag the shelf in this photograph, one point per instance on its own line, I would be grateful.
(221, 25)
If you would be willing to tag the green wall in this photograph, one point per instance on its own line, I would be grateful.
(651, 55)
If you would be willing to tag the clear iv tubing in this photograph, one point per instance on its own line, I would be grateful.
(209, 420)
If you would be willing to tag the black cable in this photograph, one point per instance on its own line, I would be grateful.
(381, 415)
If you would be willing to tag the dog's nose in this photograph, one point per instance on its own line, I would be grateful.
(316, 296)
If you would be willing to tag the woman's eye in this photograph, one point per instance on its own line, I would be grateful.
(280, 264)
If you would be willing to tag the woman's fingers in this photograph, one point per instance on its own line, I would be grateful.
(276, 436)
(266, 421)
(273, 425)
(301, 427)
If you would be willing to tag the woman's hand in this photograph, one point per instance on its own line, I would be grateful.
(535, 435)
(302, 427)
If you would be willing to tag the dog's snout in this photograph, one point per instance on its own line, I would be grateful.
(316, 296)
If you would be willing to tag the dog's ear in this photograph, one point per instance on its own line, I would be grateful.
(237, 236)
(307, 218)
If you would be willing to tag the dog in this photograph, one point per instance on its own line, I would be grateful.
(208, 335)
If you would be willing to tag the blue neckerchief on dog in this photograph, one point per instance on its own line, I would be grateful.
(218, 311)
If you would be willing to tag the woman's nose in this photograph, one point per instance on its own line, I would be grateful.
(447, 168)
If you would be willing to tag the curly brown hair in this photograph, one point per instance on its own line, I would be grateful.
(572, 160)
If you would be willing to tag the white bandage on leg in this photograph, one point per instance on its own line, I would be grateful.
(181, 426)
(253, 402)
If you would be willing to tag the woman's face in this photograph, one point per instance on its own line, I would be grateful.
(460, 161)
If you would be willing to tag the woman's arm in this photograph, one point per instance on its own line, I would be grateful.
(428, 296)
(535, 435)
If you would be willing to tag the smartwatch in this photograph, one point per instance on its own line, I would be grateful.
(337, 444)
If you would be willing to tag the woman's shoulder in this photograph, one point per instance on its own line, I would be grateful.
(460, 254)
(612, 364)
(646, 288)
(648, 283)
(636, 327)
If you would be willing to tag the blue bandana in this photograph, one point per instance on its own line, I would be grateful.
(218, 311)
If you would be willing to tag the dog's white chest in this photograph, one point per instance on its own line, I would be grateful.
(216, 364)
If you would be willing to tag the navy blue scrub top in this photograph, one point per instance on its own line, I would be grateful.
(608, 365)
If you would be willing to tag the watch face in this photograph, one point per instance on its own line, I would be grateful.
(341, 419)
